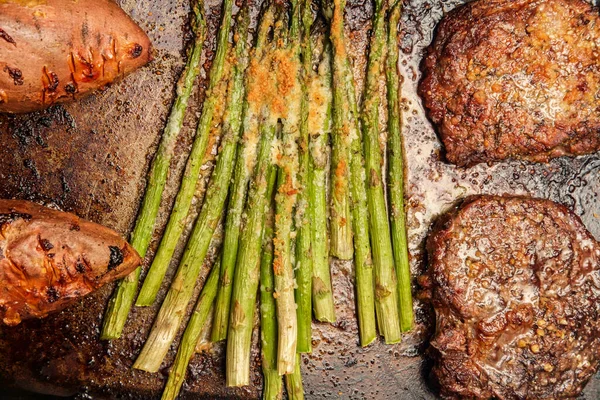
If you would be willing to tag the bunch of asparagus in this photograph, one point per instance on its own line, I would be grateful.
(298, 157)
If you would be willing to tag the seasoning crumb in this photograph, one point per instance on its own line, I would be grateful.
(535, 348)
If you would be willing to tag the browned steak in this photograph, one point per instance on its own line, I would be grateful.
(515, 79)
(516, 290)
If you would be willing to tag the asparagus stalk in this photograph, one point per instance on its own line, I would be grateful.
(293, 382)
(122, 299)
(244, 165)
(247, 271)
(304, 261)
(185, 196)
(268, 319)
(319, 128)
(396, 173)
(386, 297)
(192, 333)
(340, 216)
(173, 308)
(287, 67)
(345, 124)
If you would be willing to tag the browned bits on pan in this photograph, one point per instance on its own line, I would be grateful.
(7, 37)
(136, 51)
(15, 74)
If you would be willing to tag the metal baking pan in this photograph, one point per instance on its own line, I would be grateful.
(91, 158)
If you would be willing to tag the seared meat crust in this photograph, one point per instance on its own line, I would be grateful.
(48, 259)
(515, 79)
(516, 291)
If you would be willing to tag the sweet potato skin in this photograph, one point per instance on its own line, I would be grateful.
(58, 50)
(49, 259)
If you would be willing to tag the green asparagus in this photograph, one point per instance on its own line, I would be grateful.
(187, 348)
(386, 298)
(247, 271)
(244, 165)
(340, 216)
(178, 297)
(304, 260)
(185, 196)
(396, 173)
(287, 66)
(268, 319)
(319, 128)
(293, 382)
(345, 124)
(121, 301)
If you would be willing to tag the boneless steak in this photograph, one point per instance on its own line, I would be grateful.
(515, 79)
(516, 290)
(48, 259)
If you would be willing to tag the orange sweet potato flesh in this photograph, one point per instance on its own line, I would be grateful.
(49, 259)
(58, 50)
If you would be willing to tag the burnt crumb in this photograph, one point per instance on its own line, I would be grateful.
(80, 266)
(13, 216)
(75, 227)
(116, 257)
(351, 362)
(7, 37)
(70, 88)
(45, 244)
(15, 74)
(136, 51)
(52, 294)
(52, 81)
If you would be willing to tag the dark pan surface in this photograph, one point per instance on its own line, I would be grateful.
(91, 158)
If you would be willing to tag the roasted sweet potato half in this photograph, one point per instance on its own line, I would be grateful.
(57, 50)
(49, 259)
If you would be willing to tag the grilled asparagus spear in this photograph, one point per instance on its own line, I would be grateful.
(386, 298)
(178, 297)
(396, 173)
(121, 301)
